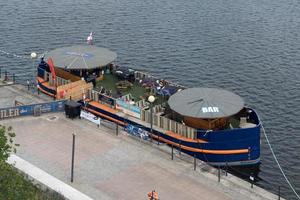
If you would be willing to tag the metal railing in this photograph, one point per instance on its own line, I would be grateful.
(221, 173)
(142, 75)
(7, 76)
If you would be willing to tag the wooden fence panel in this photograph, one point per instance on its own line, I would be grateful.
(167, 124)
(66, 75)
(74, 90)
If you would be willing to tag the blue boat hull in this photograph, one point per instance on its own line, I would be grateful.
(216, 141)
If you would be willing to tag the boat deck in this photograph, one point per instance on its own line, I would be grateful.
(138, 92)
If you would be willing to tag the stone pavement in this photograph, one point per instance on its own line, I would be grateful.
(108, 166)
(11, 93)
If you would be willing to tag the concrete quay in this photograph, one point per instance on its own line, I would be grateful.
(12, 93)
(110, 166)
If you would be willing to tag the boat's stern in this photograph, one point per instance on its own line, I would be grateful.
(243, 141)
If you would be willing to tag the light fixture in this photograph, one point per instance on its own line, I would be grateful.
(151, 98)
(33, 55)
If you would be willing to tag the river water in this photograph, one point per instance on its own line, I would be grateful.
(249, 47)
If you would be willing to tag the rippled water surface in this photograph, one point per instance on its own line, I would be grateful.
(249, 47)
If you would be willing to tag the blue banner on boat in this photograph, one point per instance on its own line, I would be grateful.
(129, 109)
(26, 110)
(136, 131)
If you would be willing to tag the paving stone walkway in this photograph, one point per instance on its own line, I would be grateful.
(108, 166)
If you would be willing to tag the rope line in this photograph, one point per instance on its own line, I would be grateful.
(19, 56)
(287, 180)
(14, 55)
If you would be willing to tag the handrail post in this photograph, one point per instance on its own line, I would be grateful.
(151, 121)
(195, 162)
(172, 156)
(180, 147)
(73, 152)
(117, 128)
(5, 76)
(158, 133)
(219, 174)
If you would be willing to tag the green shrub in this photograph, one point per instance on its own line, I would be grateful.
(15, 186)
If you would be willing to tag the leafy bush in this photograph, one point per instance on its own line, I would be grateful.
(15, 186)
(7, 144)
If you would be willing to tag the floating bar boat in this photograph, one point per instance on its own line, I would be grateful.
(210, 124)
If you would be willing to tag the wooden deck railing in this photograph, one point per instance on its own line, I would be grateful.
(168, 124)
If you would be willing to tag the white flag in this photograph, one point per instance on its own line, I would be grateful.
(89, 39)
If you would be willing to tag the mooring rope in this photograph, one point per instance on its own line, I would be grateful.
(13, 54)
(40, 55)
(287, 180)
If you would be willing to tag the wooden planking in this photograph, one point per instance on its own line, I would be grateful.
(103, 107)
(168, 124)
(74, 90)
(66, 75)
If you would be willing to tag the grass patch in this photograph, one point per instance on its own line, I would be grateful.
(15, 186)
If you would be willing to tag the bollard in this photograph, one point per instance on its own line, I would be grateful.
(14, 78)
(278, 192)
(117, 129)
(226, 169)
(252, 179)
(195, 162)
(172, 156)
(219, 174)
